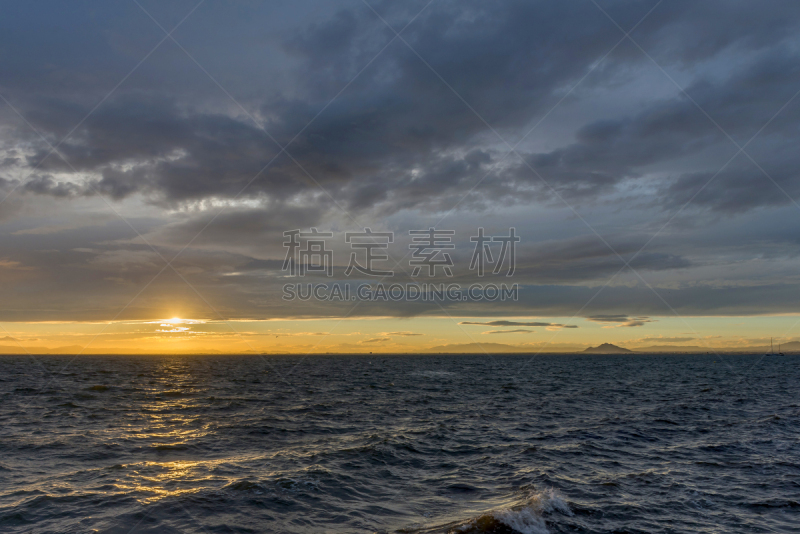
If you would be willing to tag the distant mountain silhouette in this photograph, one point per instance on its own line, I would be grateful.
(690, 349)
(607, 348)
(460, 348)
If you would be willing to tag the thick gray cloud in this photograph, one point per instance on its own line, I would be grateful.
(402, 141)
(398, 135)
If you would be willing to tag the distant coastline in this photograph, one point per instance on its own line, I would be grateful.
(467, 348)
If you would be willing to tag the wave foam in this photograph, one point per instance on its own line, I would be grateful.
(528, 519)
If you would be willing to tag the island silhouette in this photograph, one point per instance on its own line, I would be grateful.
(607, 348)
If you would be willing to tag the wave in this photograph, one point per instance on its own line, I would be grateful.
(434, 374)
(529, 517)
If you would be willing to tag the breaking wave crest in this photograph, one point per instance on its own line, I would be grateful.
(529, 517)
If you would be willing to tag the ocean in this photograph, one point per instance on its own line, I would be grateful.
(401, 443)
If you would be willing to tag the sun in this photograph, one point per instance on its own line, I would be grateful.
(175, 320)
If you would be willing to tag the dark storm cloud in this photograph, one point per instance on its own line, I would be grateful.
(774, 181)
(398, 136)
(257, 227)
(588, 258)
(45, 184)
(151, 146)
(610, 150)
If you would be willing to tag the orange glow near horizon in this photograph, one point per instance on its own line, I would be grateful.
(178, 335)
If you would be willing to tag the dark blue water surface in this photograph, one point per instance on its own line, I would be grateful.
(560, 443)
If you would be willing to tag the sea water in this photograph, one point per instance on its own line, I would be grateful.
(402, 443)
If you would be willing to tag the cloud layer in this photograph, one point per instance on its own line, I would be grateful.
(302, 115)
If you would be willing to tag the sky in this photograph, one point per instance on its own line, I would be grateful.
(152, 156)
